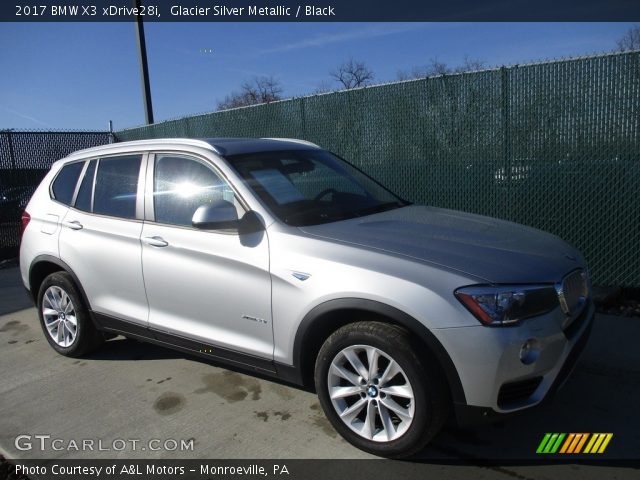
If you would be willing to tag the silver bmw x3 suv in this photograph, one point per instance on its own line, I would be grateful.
(277, 256)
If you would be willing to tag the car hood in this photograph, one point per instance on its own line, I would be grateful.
(493, 250)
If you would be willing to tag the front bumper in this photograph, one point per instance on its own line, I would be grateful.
(495, 381)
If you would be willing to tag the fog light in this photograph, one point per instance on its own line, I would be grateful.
(529, 351)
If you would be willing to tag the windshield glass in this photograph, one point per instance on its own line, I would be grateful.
(309, 187)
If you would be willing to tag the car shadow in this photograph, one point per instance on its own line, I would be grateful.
(123, 348)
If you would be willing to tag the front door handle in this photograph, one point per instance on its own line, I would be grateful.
(74, 225)
(155, 241)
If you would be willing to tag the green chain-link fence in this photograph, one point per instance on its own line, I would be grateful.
(553, 145)
(25, 157)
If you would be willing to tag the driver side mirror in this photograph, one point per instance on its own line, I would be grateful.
(217, 215)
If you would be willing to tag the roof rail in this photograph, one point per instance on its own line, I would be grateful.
(151, 141)
(294, 140)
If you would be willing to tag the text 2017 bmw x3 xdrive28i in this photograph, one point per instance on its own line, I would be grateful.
(278, 256)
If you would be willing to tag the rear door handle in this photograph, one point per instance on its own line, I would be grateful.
(74, 225)
(155, 241)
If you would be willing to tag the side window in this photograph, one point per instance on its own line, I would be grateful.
(64, 185)
(181, 185)
(83, 200)
(117, 186)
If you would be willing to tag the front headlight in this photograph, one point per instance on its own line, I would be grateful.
(507, 304)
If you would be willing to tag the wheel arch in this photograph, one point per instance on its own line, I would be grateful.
(43, 266)
(326, 318)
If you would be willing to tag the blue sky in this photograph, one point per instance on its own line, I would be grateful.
(80, 75)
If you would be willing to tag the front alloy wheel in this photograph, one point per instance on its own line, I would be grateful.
(371, 393)
(377, 392)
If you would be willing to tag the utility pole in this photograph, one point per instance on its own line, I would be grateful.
(144, 69)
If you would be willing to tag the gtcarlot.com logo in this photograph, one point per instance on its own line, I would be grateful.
(45, 442)
(573, 443)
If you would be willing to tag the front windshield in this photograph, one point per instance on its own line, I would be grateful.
(309, 187)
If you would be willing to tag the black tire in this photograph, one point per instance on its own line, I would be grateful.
(87, 337)
(430, 392)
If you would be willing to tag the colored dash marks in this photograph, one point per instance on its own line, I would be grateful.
(574, 443)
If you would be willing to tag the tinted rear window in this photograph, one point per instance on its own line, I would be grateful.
(65, 183)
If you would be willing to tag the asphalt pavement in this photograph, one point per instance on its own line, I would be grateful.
(136, 400)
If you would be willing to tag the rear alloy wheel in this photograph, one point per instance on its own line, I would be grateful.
(59, 316)
(377, 393)
(64, 318)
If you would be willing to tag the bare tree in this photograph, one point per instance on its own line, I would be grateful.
(412, 74)
(352, 74)
(436, 67)
(630, 40)
(253, 92)
(433, 68)
(323, 87)
(470, 65)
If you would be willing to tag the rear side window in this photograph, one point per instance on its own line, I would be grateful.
(64, 185)
(117, 186)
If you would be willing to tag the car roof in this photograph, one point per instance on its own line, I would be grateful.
(226, 146)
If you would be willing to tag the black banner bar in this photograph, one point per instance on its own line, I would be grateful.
(122, 469)
(319, 10)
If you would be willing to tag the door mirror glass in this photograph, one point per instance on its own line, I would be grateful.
(217, 215)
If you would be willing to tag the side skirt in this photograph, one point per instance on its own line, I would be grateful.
(242, 361)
